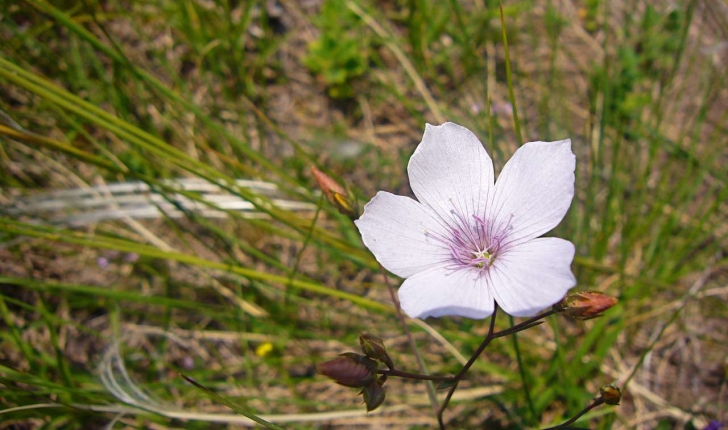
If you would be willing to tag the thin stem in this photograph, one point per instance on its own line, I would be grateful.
(522, 372)
(430, 388)
(489, 337)
(531, 322)
(401, 374)
(306, 241)
(525, 324)
(509, 78)
(516, 329)
(482, 346)
(593, 404)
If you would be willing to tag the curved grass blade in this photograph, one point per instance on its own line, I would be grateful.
(231, 405)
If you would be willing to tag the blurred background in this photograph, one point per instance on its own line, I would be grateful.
(158, 214)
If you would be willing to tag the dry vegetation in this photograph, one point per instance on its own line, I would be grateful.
(645, 106)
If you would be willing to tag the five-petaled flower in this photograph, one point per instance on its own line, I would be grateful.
(467, 240)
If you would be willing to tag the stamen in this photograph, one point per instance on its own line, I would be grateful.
(470, 242)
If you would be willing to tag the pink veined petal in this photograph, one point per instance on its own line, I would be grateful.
(532, 276)
(439, 292)
(534, 190)
(450, 170)
(395, 228)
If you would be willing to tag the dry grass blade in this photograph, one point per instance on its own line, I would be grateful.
(83, 206)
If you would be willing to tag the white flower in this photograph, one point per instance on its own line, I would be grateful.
(468, 240)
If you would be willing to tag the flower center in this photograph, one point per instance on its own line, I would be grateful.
(481, 259)
(471, 243)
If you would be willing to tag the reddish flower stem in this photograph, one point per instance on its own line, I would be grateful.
(593, 404)
(401, 374)
(531, 322)
(430, 389)
(467, 366)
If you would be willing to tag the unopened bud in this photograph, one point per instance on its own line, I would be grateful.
(374, 348)
(610, 394)
(350, 370)
(585, 305)
(373, 395)
(335, 194)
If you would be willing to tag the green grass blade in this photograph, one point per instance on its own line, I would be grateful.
(231, 405)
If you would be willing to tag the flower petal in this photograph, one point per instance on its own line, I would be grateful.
(532, 276)
(450, 170)
(395, 229)
(534, 190)
(439, 292)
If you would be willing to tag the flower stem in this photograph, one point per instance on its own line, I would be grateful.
(489, 337)
(531, 322)
(401, 374)
(523, 325)
(430, 387)
(593, 404)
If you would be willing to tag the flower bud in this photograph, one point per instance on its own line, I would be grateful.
(610, 394)
(373, 347)
(585, 305)
(350, 370)
(373, 395)
(335, 194)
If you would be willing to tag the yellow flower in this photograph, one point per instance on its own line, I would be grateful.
(264, 349)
